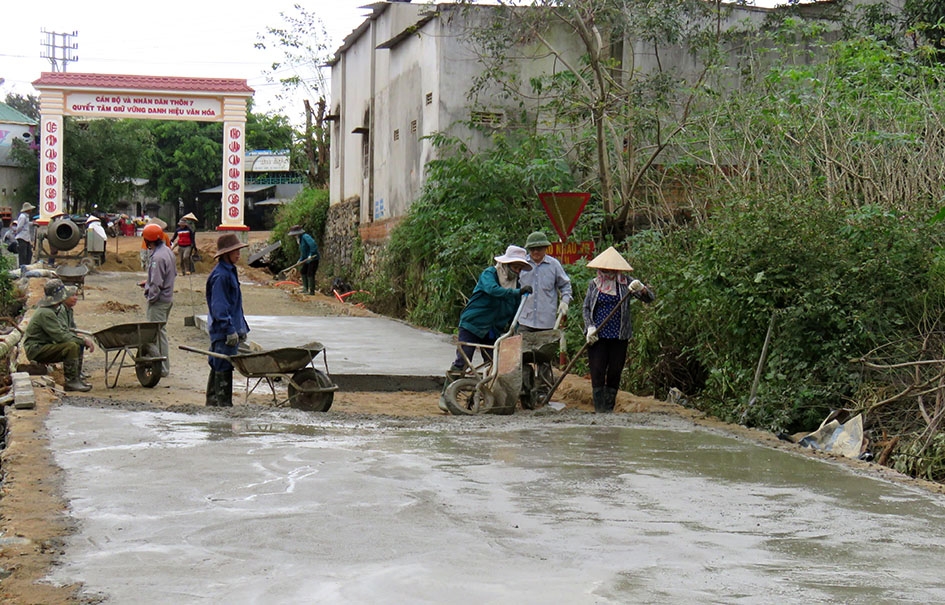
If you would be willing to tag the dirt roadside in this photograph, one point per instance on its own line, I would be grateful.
(32, 513)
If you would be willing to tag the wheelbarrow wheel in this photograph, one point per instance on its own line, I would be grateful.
(302, 399)
(529, 395)
(148, 372)
(462, 398)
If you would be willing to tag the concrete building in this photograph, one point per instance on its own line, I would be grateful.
(13, 126)
(406, 72)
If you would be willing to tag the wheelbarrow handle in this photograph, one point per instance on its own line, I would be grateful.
(202, 352)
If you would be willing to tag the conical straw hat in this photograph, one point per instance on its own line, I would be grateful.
(610, 259)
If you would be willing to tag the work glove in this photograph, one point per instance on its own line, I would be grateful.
(242, 338)
(232, 339)
(563, 308)
(527, 290)
(636, 286)
(591, 336)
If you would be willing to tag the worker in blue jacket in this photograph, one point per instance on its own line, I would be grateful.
(227, 324)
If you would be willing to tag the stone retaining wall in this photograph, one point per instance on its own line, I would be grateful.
(351, 250)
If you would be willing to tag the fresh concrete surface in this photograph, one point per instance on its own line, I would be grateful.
(364, 353)
(294, 508)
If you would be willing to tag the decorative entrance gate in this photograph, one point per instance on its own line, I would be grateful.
(146, 97)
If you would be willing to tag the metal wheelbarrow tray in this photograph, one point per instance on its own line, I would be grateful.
(309, 388)
(138, 340)
(74, 276)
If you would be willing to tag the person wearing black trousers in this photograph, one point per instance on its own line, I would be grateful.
(609, 325)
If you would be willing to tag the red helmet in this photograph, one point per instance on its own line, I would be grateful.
(152, 233)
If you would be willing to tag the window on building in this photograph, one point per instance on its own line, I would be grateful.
(413, 127)
(429, 98)
(396, 134)
(489, 119)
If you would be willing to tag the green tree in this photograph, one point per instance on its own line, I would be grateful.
(304, 43)
(268, 131)
(184, 159)
(471, 208)
(617, 99)
(27, 105)
(926, 19)
(100, 158)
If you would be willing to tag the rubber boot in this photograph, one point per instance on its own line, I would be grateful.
(71, 370)
(306, 284)
(212, 389)
(225, 389)
(598, 396)
(610, 399)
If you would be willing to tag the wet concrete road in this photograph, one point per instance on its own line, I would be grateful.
(292, 508)
(364, 353)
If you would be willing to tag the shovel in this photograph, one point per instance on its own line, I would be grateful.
(281, 274)
(191, 321)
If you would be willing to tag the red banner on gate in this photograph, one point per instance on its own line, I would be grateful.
(568, 253)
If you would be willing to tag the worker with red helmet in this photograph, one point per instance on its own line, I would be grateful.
(159, 287)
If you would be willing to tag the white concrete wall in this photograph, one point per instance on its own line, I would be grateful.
(436, 59)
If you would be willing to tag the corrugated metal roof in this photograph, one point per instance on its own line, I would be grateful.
(8, 115)
(130, 82)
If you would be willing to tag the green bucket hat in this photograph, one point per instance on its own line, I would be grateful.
(536, 239)
(55, 292)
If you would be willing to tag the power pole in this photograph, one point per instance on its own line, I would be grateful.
(58, 49)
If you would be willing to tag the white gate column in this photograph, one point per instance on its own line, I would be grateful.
(234, 160)
(50, 156)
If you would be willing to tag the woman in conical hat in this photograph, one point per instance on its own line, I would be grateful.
(608, 295)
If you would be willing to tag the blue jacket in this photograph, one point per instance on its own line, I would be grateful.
(225, 302)
(307, 247)
(491, 307)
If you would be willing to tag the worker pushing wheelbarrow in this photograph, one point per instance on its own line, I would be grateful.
(506, 376)
(495, 386)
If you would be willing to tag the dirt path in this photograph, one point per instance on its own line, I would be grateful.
(32, 514)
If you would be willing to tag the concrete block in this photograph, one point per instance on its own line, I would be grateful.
(23, 396)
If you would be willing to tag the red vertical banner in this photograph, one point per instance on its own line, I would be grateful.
(50, 168)
(233, 162)
(564, 208)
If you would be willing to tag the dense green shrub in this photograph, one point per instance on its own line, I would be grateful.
(837, 285)
(472, 207)
(309, 209)
(11, 302)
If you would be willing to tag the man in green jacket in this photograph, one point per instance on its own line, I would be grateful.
(49, 340)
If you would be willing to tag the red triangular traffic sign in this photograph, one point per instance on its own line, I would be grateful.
(564, 209)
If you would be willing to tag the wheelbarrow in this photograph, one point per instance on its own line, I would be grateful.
(137, 341)
(496, 387)
(74, 276)
(309, 388)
